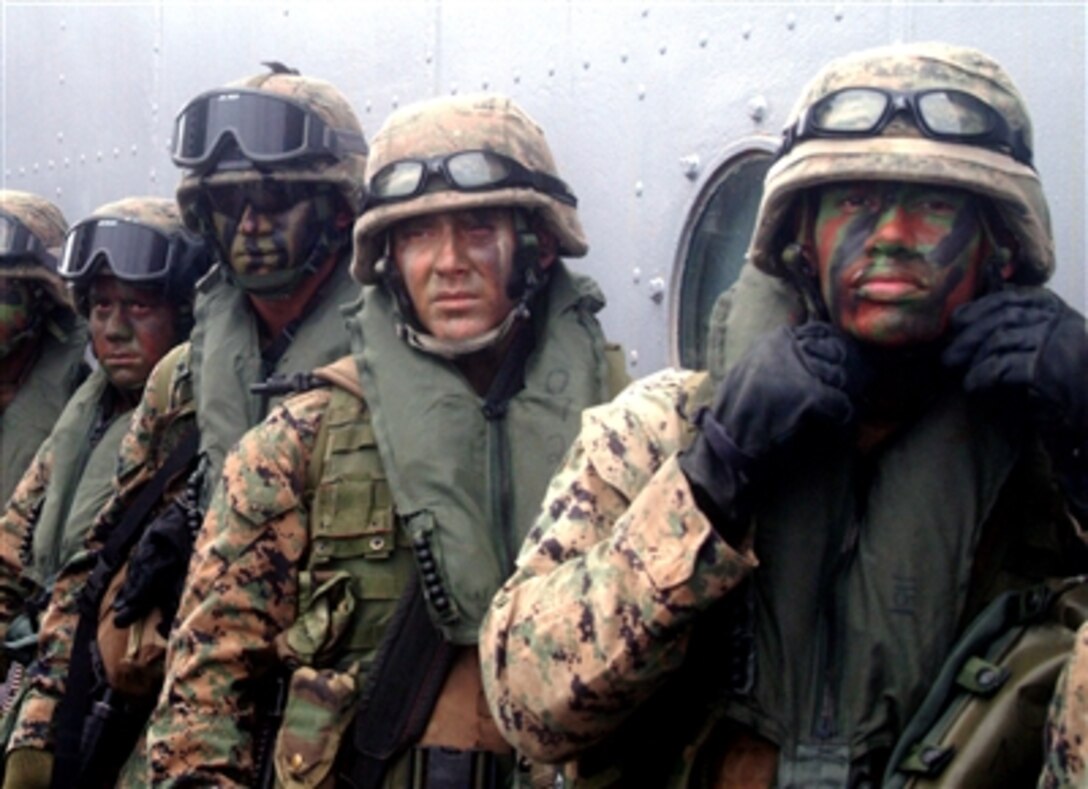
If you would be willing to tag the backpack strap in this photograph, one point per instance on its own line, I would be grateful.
(617, 369)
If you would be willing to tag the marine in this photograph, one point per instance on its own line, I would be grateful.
(131, 266)
(751, 575)
(42, 339)
(358, 533)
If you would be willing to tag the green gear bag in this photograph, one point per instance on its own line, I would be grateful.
(984, 716)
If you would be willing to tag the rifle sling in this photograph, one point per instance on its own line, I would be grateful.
(75, 703)
(401, 688)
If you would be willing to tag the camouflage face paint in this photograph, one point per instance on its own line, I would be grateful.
(263, 239)
(16, 313)
(895, 259)
(131, 329)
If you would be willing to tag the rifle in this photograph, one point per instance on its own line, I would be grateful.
(264, 748)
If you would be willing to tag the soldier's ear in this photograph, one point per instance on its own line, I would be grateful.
(547, 243)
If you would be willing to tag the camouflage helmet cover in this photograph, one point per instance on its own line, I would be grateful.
(901, 153)
(483, 121)
(346, 174)
(47, 223)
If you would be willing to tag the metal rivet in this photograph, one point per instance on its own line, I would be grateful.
(746, 31)
(703, 41)
(623, 57)
(638, 188)
(377, 543)
(585, 65)
(661, 50)
(297, 761)
(840, 12)
(690, 166)
(632, 357)
(757, 108)
(636, 275)
(791, 21)
(657, 290)
(641, 92)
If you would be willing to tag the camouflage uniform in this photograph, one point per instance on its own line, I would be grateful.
(1067, 723)
(195, 384)
(241, 608)
(26, 420)
(625, 587)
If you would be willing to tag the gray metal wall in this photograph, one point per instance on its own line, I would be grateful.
(640, 101)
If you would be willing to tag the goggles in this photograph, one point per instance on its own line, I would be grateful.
(17, 242)
(465, 171)
(940, 114)
(133, 252)
(266, 197)
(267, 129)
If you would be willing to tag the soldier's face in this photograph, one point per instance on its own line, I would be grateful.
(268, 227)
(455, 266)
(131, 328)
(895, 259)
(16, 311)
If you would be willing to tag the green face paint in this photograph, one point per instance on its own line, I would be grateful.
(895, 259)
(16, 314)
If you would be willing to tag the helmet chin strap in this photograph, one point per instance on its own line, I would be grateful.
(527, 277)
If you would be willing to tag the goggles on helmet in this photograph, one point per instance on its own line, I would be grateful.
(133, 252)
(940, 114)
(465, 171)
(266, 128)
(17, 242)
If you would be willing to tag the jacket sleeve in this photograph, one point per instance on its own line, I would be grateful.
(241, 592)
(609, 582)
(16, 527)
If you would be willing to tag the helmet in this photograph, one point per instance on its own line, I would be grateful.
(31, 235)
(430, 130)
(905, 152)
(139, 240)
(331, 149)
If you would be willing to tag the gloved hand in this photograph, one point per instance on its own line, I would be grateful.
(156, 568)
(1029, 347)
(790, 378)
(1026, 344)
(28, 768)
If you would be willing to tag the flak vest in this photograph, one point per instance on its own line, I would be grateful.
(30, 416)
(372, 495)
(225, 358)
(80, 480)
(868, 570)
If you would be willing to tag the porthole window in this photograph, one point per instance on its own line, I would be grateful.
(714, 243)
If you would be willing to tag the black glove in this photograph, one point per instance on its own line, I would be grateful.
(790, 378)
(1029, 348)
(156, 568)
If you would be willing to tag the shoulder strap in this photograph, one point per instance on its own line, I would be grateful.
(617, 369)
(343, 374)
(74, 705)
